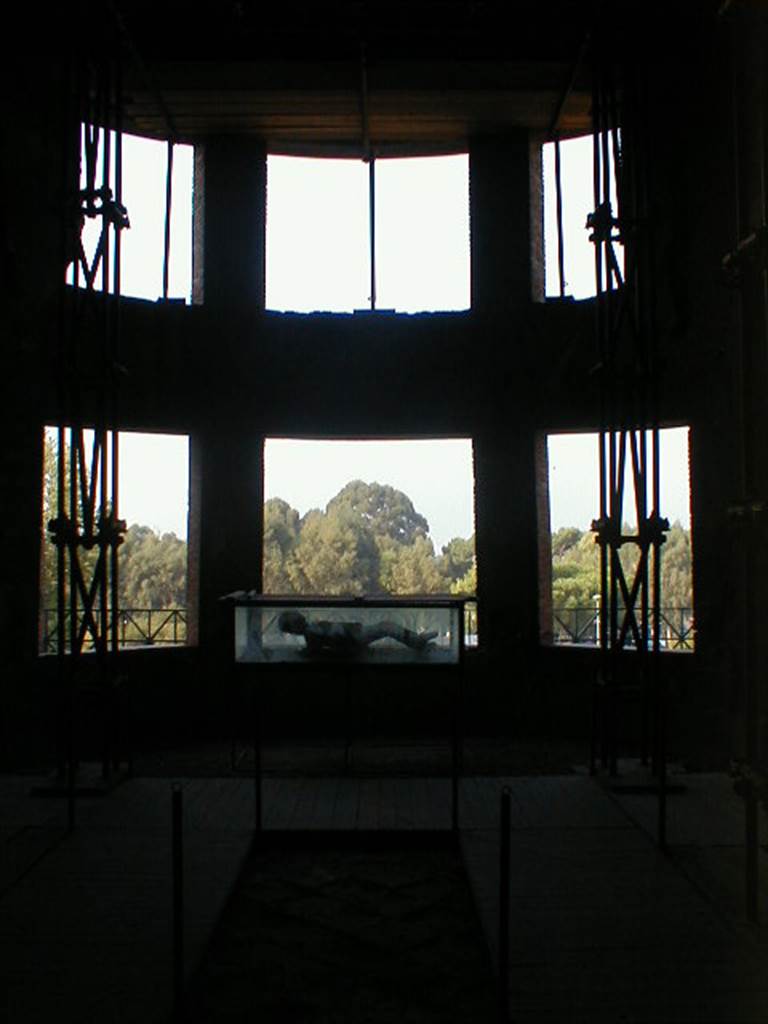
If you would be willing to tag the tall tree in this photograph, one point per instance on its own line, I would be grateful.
(282, 528)
(384, 510)
(467, 585)
(153, 570)
(336, 554)
(412, 569)
(457, 558)
(677, 569)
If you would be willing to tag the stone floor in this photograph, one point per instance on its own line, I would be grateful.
(604, 926)
(350, 927)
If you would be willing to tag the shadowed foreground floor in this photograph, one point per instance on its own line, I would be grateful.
(348, 928)
(605, 927)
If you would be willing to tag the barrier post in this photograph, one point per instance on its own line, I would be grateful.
(178, 901)
(504, 901)
(257, 762)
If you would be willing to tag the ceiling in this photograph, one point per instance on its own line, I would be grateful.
(423, 74)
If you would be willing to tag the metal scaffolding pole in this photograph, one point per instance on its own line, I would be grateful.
(87, 531)
(630, 556)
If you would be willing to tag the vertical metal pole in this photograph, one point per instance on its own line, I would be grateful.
(504, 901)
(73, 626)
(257, 761)
(559, 215)
(456, 718)
(658, 683)
(370, 159)
(167, 233)
(611, 682)
(115, 355)
(751, 701)
(372, 224)
(177, 853)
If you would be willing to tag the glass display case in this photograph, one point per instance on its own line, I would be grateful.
(385, 631)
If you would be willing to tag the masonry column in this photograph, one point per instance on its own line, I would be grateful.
(229, 222)
(228, 280)
(506, 234)
(507, 544)
(228, 462)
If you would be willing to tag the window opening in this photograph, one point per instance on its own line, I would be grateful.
(570, 589)
(569, 255)
(387, 234)
(155, 194)
(153, 475)
(365, 518)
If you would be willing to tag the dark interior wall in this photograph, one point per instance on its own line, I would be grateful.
(31, 244)
(229, 374)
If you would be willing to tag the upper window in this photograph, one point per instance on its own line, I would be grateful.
(345, 236)
(144, 196)
(576, 278)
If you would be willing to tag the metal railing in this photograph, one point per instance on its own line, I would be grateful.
(137, 627)
(147, 627)
(582, 626)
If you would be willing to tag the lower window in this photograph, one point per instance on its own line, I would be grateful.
(370, 517)
(570, 592)
(153, 558)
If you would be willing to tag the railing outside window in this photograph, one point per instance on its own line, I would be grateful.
(138, 627)
(167, 627)
(582, 626)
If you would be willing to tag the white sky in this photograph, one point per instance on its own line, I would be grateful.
(154, 481)
(317, 259)
(153, 478)
(574, 479)
(143, 194)
(578, 201)
(317, 234)
(436, 474)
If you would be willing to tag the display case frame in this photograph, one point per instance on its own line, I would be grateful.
(417, 631)
(255, 619)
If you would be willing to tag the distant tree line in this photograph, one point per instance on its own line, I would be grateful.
(370, 540)
(576, 567)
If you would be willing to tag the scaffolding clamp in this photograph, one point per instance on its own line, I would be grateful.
(100, 202)
(605, 531)
(601, 223)
(653, 530)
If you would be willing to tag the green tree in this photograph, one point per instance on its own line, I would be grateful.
(336, 554)
(677, 569)
(48, 559)
(564, 539)
(458, 557)
(369, 540)
(412, 569)
(384, 510)
(50, 511)
(152, 570)
(282, 529)
(575, 569)
(467, 585)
